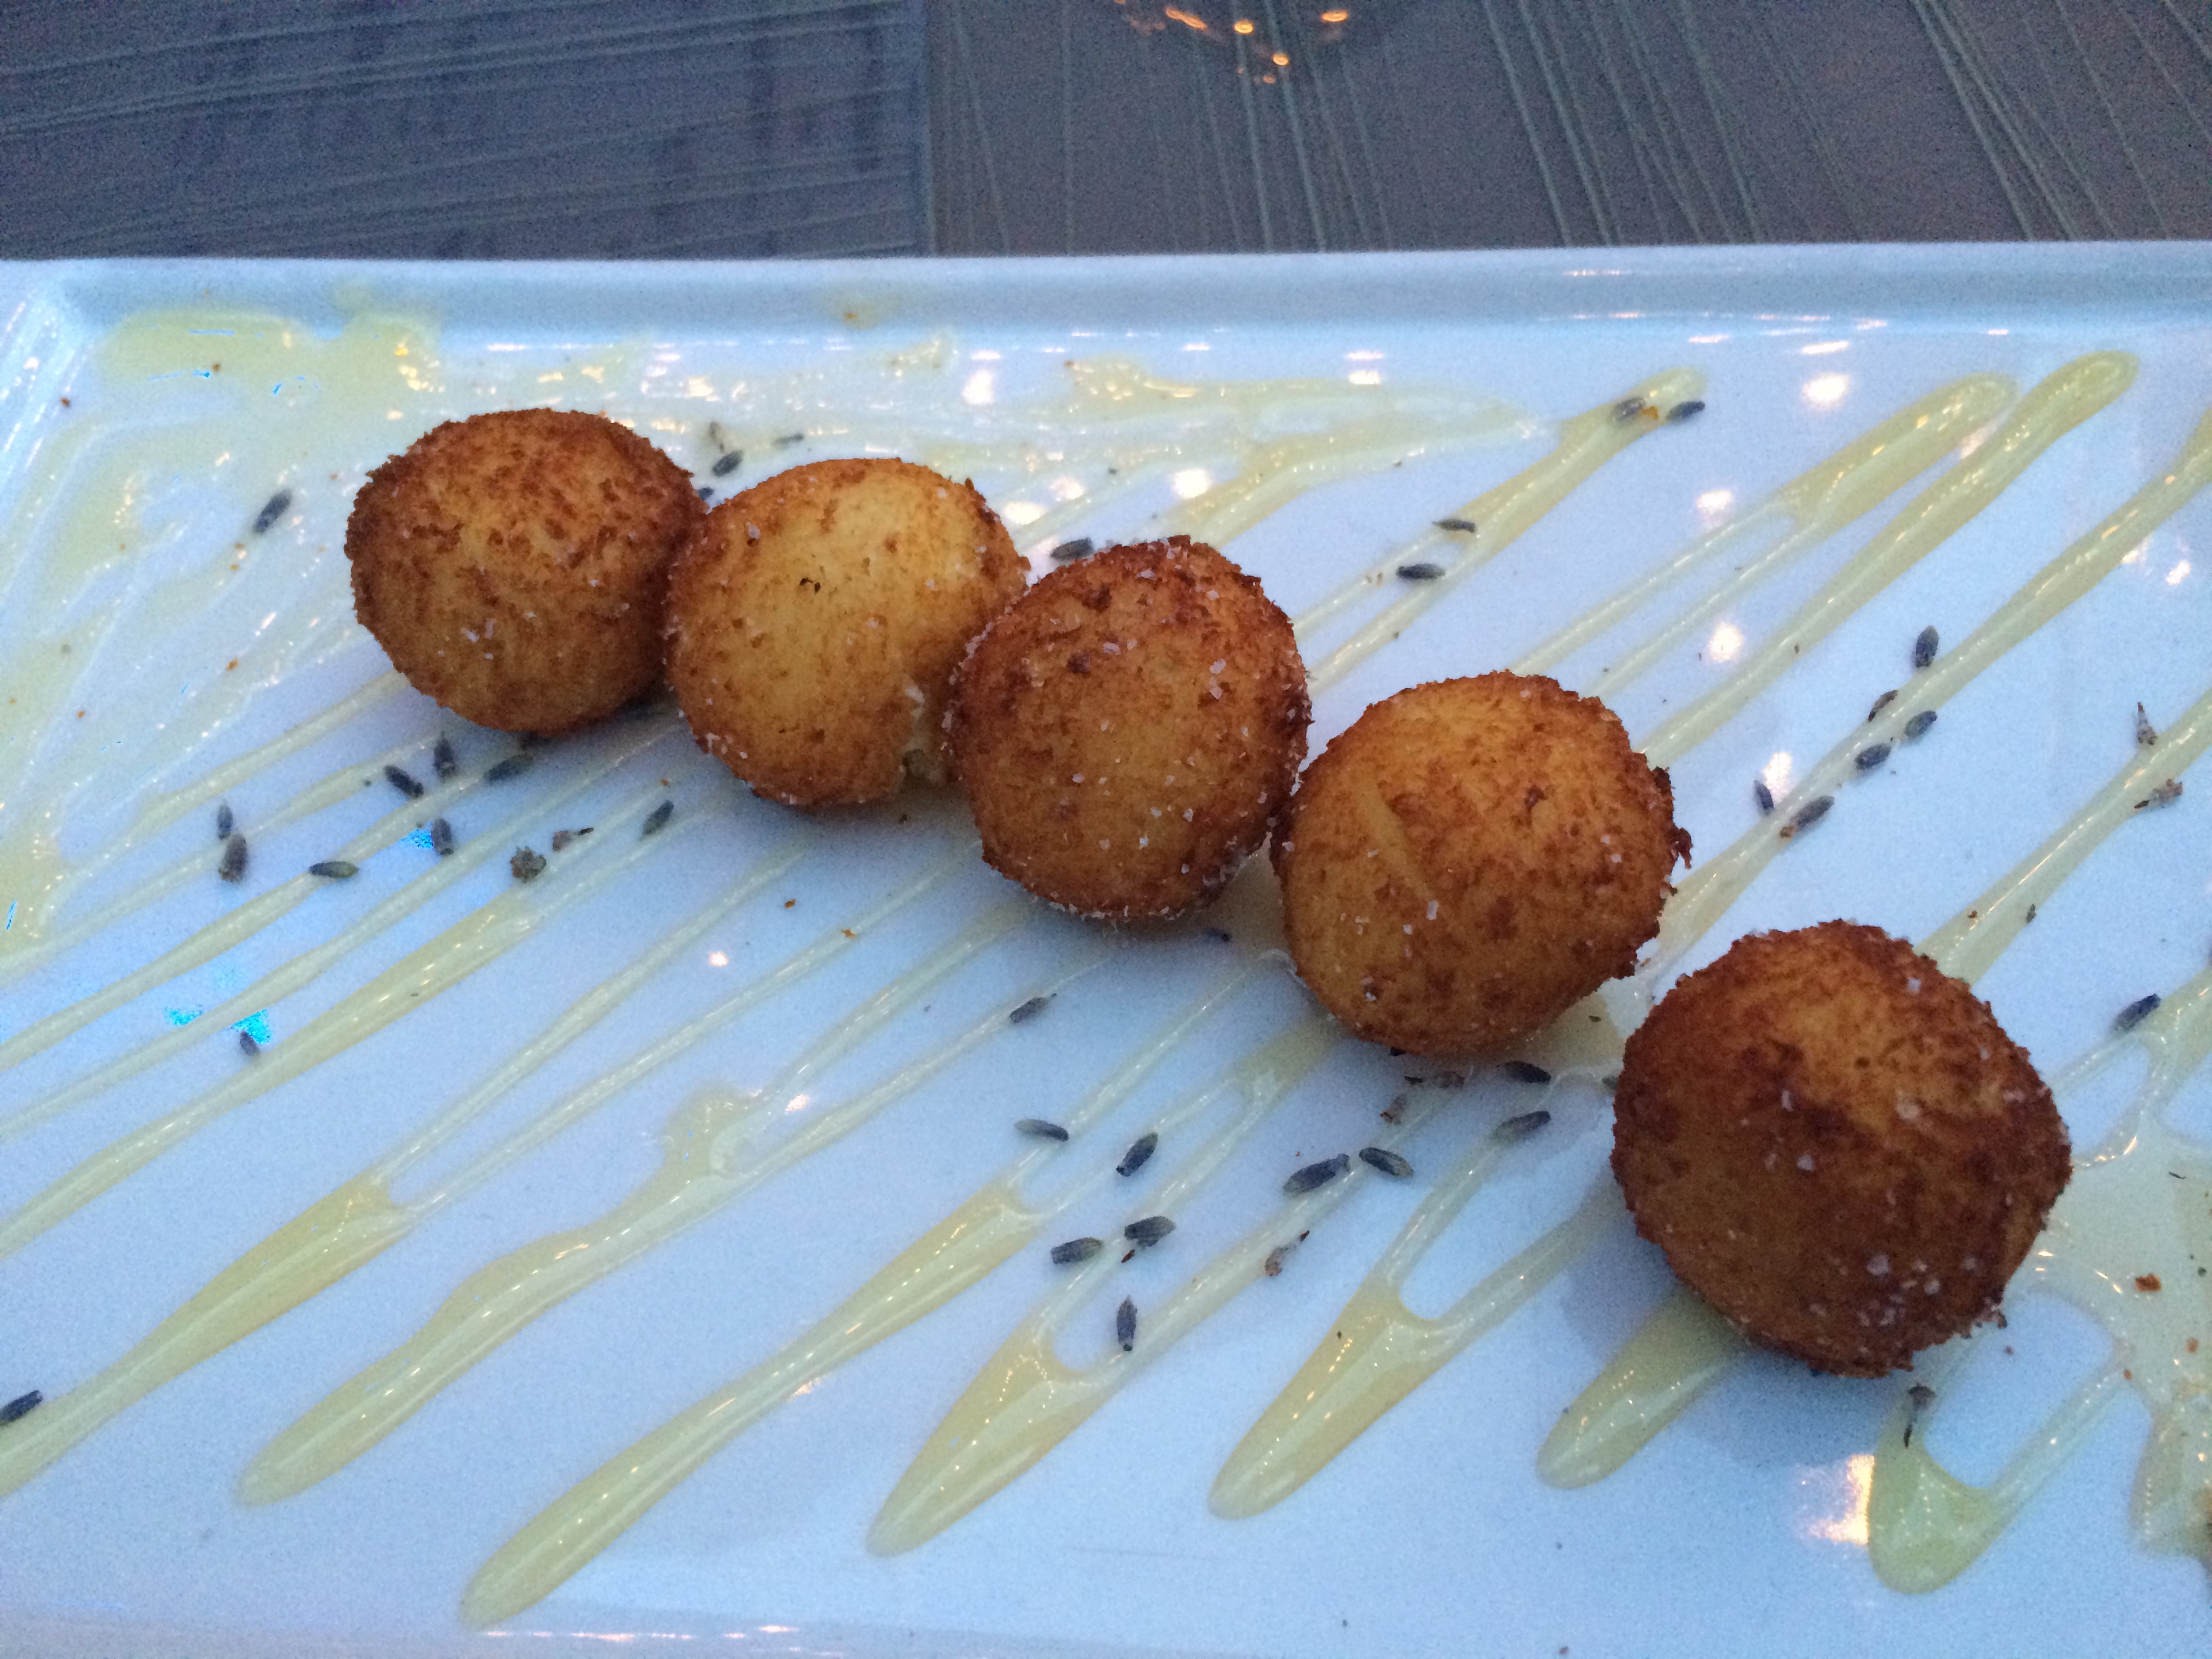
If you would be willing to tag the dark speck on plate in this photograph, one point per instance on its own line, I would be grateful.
(271, 510)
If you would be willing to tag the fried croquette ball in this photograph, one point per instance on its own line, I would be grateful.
(1470, 858)
(1837, 1145)
(1128, 732)
(513, 564)
(815, 621)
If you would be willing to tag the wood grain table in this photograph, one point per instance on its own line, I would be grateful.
(530, 129)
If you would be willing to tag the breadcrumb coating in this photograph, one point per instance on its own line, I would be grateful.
(815, 621)
(1128, 732)
(1469, 859)
(512, 565)
(1837, 1145)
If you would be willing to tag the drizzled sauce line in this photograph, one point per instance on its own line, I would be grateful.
(228, 931)
(1825, 498)
(1026, 1399)
(2065, 399)
(58, 672)
(361, 1219)
(1280, 472)
(1137, 424)
(708, 1160)
(90, 509)
(1705, 894)
(474, 942)
(2126, 1244)
(1968, 943)
(787, 976)
(1500, 516)
(39, 942)
(959, 1251)
(301, 970)
(1379, 1351)
(1681, 1349)
(1685, 1347)
(994, 1224)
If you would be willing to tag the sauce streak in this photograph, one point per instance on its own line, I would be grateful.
(95, 506)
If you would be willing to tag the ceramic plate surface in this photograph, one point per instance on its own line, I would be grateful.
(813, 1011)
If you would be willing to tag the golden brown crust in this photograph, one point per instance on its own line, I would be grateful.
(1471, 858)
(1837, 1145)
(1127, 733)
(815, 621)
(512, 565)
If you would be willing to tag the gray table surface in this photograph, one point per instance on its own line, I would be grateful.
(528, 129)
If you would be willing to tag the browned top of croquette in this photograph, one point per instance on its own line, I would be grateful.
(1470, 858)
(815, 621)
(513, 564)
(1837, 1145)
(1127, 733)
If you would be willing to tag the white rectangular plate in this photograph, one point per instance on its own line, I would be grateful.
(154, 636)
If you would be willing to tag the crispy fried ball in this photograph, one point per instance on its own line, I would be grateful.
(815, 622)
(1837, 1145)
(1470, 858)
(1128, 732)
(513, 564)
